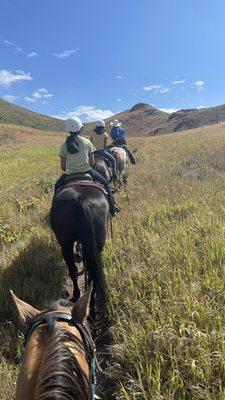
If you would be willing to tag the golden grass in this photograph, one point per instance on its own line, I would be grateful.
(165, 266)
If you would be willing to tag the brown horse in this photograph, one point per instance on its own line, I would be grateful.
(59, 357)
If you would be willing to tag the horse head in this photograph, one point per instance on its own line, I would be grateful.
(59, 355)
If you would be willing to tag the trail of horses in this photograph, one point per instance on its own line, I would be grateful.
(164, 268)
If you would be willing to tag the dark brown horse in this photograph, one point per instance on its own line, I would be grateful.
(59, 359)
(81, 214)
(103, 167)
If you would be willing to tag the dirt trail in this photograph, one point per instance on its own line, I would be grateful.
(103, 341)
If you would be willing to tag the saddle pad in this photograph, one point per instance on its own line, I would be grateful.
(84, 184)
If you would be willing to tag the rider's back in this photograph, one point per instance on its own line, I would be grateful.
(77, 162)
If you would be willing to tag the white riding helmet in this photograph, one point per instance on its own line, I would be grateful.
(73, 125)
(100, 123)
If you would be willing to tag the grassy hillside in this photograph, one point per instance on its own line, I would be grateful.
(141, 120)
(165, 265)
(12, 114)
(190, 119)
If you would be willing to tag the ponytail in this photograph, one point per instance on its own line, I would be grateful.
(72, 143)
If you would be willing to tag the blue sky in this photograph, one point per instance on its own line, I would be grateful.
(93, 58)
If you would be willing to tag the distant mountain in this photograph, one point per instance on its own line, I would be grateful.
(12, 114)
(190, 119)
(141, 120)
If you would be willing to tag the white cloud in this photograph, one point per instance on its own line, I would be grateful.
(11, 98)
(17, 48)
(199, 84)
(119, 100)
(42, 90)
(32, 54)
(7, 78)
(200, 107)
(29, 99)
(119, 77)
(66, 53)
(156, 89)
(39, 94)
(179, 82)
(169, 110)
(8, 42)
(86, 113)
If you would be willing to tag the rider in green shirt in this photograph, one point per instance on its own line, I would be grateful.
(76, 155)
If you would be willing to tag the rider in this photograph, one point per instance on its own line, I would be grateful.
(117, 135)
(99, 139)
(77, 157)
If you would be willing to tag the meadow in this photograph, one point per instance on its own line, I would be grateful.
(165, 264)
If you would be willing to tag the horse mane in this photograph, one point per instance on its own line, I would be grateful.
(61, 377)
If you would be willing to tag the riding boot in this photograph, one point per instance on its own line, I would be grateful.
(114, 209)
(131, 157)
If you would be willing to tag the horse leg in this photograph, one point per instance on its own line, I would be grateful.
(78, 254)
(67, 252)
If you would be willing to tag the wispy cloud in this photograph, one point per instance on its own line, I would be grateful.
(19, 49)
(39, 94)
(169, 110)
(119, 77)
(66, 53)
(8, 42)
(32, 54)
(86, 113)
(11, 98)
(119, 100)
(179, 82)
(156, 89)
(16, 47)
(7, 78)
(199, 84)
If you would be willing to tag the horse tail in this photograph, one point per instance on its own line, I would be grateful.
(91, 254)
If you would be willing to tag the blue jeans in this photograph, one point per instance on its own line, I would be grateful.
(109, 157)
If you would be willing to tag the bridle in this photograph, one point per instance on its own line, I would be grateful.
(49, 318)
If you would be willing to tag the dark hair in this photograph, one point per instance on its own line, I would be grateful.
(72, 143)
(99, 130)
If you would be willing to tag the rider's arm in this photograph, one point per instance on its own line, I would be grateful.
(63, 163)
(92, 159)
(105, 142)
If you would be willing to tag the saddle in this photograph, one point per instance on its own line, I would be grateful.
(82, 183)
(78, 176)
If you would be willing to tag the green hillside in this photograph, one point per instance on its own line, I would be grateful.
(12, 114)
(140, 120)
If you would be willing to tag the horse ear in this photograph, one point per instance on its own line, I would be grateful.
(26, 312)
(81, 307)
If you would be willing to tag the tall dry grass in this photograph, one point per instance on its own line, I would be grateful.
(165, 267)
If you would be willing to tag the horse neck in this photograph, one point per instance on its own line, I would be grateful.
(37, 359)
